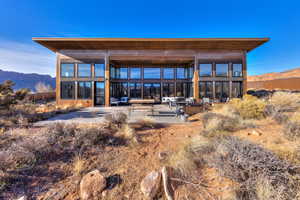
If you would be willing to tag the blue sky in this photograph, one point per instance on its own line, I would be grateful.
(23, 19)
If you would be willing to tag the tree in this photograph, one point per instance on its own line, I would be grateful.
(7, 95)
(41, 87)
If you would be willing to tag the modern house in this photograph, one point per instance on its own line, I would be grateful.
(92, 70)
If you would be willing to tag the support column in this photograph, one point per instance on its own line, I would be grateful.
(196, 80)
(58, 89)
(245, 73)
(107, 81)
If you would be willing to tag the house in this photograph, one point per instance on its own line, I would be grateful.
(92, 70)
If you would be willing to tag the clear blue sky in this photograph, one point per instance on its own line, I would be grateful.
(23, 19)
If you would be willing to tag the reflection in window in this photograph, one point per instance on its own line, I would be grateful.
(112, 72)
(84, 90)
(221, 69)
(237, 70)
(100, 70)
(84, 70)
(222, 90)
(237, 89)
(135, 90)
(67, 90)
(182, 73)
(135, 73)
(67, 70)
(169, 73)
(206, 89)
(152, 91)
(151, 73)
(184, 89)
(168, 89)
(119, 73)
(119, 90)
(205, 69)
(100, 93)
(191, 73)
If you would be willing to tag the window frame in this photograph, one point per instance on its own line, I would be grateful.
(78, 89)
(74, 90)
(211, 69)
(90, 76)
(222, 63)
(95, 70)
(61, 75)
(235, 63)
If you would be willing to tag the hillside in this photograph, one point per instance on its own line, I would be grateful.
(293, 73)
(23, 80)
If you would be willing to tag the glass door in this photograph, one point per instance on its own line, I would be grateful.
(99, 93)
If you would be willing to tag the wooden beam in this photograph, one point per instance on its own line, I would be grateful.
(107, 81)
(196, 80)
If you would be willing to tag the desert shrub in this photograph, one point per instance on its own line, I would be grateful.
(116, 119)
(249, 107)
(291, 130)
(129, 134)
(78, 165)
(244, 162)
(214, 124)
(147, 122)
(270, 110)
(41, 87)
(295, 117)
(280, 117)
(285, 101)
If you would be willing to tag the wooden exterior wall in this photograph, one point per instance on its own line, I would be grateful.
(152, 56)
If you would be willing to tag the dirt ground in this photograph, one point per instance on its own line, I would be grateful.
(126, 166)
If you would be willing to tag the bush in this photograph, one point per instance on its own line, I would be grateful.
(292, 130)
(129, 134)
(249, 107)
(285, 101)
(280, 118)
(116, 119)
(147, 122)
(295, 117)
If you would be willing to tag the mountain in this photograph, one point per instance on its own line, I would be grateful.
(26, 80)
(293, 73)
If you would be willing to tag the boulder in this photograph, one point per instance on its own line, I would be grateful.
(150, 185)
(91, 185)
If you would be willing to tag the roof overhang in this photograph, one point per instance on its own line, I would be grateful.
(57, 44)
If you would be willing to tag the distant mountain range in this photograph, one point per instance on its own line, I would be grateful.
(26, 80)
(293, 73)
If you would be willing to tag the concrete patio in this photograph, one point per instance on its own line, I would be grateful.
(160, 113)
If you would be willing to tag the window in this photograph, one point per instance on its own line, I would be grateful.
(237, 89)
(168, 89)
(237, 70)
(84, 70)
(222, 90)
(169, 73)
(100, 70)
(135, 73)
(67, 90)
(152, 91)
(206, 89)
(84, 90)
(112, 72)
(119, 90)
(122, 73)
(99, 93)
(182, 73)
(221, 69)
(151, 73)
(67, 70)
(205, 69)
(135, 90)
(191, 73)
(184, 89)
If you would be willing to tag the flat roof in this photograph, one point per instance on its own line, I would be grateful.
(57, 44)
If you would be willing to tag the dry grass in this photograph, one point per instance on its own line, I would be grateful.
(147, 122)
(249, 107)
(115, 119)
(129, 134)
(78, 166)
(295, 117)
(291, 130)
(285, 101)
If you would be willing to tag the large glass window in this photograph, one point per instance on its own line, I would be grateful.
(205, 69)
(222, 69)
(168, 89)
(67, 90)
(84, 90)
(84, 70)
(184, 89)
(135, 90)
(169, 73)
(100, 70)
(135, 73)
(191, 73)
(222, 90)
(206, 89)
(119, 73)
(112, 72)
(151, 73)
(67, 70)
(99, 93)
(237, 89)
(182, 73)
(119, 90)
(152, 91)
(237, 70)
